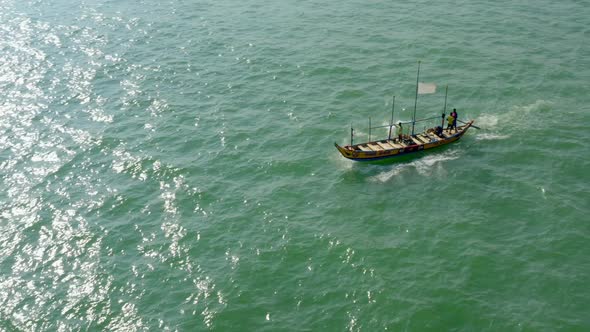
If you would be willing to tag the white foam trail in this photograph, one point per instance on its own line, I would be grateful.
(487, 121)
(341, 162)
(491, 137)
(515, 115)
(539, 105)
(423, 166)
(385, 176)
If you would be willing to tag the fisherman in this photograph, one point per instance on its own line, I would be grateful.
(438, 131)
(450, 121)
(454, 114)
(400, 132)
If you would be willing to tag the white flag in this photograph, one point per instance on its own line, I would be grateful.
(424, 88)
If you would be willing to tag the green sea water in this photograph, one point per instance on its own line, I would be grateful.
(169, 165)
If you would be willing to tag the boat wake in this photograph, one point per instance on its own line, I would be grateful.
(342, 163)
(491, 137)
(487, 121)
(517, 114)
(517, 118)
(538, 106)
(424, 166)
(522, 117)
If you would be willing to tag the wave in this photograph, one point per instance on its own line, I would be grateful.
(422, 166)
(516, 118)
(491, 137)
(487, 121)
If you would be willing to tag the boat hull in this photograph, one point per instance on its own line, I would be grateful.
(359, 152)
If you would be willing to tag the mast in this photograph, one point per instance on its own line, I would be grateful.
(445, 108)
(416, 100)
(351, 134)
(391, 122)
(369, 129)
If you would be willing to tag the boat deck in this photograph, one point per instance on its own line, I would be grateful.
(419, 139)
(381, 145)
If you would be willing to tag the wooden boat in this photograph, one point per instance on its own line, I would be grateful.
(399, 146)
(405, 144)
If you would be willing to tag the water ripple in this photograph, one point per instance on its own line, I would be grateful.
(169, 166)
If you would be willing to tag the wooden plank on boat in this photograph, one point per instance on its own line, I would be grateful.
(364, 148)
(416, 141)
(385, 146)
(417, 138)
(424, 138)
(432, 136)
(395, 145)
(375, 147)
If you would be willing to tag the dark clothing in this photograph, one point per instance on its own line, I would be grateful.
(438, 130)
(454, 114)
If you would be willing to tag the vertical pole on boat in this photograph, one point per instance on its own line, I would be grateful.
(416, 100)
(351, 134)
(391, 122)
(445, 107)
(369, 129)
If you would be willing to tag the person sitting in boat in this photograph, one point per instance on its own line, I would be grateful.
(450, 121)
(438, 130)
(454, 114)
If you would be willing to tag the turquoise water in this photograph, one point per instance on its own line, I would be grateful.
(170, 166)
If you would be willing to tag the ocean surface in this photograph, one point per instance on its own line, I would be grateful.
(170, 166)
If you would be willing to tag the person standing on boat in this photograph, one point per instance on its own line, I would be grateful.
(450, 121)
(400, 132)
(454, 114)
